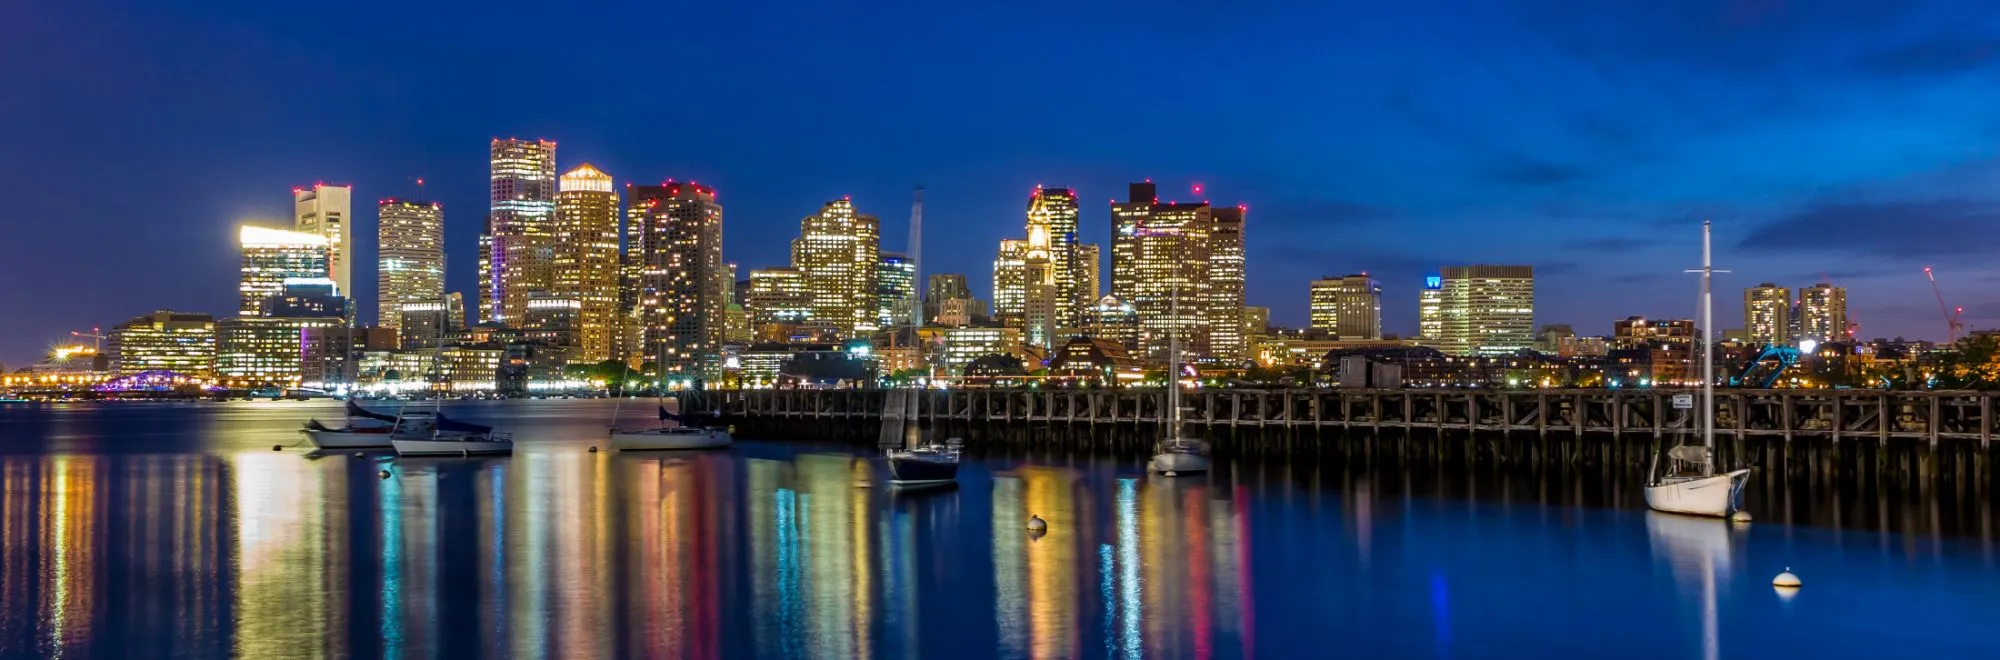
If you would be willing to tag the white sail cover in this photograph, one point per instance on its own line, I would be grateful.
(1689, 453)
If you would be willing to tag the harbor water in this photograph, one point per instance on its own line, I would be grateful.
(136, 529)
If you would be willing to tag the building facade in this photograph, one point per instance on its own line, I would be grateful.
(164, 340)
(516, 251)
(1180, 265)
(271, 256)
(1349, 307)
(837, 251)
(895, 290)
(1485, 310)
(1767, 315)
(325, 211)
(1823, 313)
(683, 298)
(587, 268)
(941, 287)
(410, 257)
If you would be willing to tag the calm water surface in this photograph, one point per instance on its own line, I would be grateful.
(143, 529)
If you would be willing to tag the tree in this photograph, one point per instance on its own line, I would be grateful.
(1972, 364)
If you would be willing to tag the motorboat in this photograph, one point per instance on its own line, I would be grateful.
(1689, 484)
(450, 437)
(674, 432)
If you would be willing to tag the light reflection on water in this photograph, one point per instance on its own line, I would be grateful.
(214, 545)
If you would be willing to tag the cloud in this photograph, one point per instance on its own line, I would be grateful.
(1953, 230)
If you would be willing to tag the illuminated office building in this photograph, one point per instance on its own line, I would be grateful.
(164, 340)
(428, 323)
(1430, 311)
(325, 211)
(410, 263)
(586, 260)
(516, 251)
(1051, 226)
(895, 289)
(1185, 256)
(1767, 315)
(837, 251)
(554, 321)
(1481, 310)
(271, 256)
(1349, 307)
(682, 298)
(963, 345)
(1010, 283)
(778, 302)
(254, 351)
(1112, 319)
(1823, 313)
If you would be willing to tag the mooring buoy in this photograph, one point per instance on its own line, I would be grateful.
(1740, 517)
(383, 474)
(1036, 524)
(1787, 580)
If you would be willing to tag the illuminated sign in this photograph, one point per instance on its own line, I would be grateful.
(1433, 282)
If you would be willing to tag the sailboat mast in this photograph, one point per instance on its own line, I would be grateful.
(1174, 364)
(1707, 352)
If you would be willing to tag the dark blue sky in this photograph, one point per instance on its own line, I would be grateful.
(1853, 138)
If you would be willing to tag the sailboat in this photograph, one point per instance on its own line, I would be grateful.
(365, 429)
(674, 432)
(917, 462)
(1689, 483)
(1177, 454)
(432, 434)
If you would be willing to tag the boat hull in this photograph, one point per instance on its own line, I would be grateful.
(1715, 496)
(658, 440)
(449, 447)
(348, 440)
(1178, 463)
(917, 470)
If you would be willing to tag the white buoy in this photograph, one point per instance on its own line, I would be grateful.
(1170, 473)
(383, 474)
(357, 454)
(1740, 517)
(1036, 524)
(1787, 580)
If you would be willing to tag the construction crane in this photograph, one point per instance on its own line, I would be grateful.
(1953, 328)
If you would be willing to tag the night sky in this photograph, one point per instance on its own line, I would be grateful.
(1845, 140)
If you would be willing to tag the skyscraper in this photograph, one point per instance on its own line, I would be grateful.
(778, 302)
(895, 282)
(1486, 310)
(1823, 313)
(1350, 307)
(410, 268)
(836, 251)
(682, 303)
(1767, 314)
(1010, 283)
(515, 251)
(325, 210)
(271, 256)
(1430, 311)
(1052, 212)
(1186, 256)
(586, 260)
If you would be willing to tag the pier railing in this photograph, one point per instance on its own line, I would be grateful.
(1839, 415)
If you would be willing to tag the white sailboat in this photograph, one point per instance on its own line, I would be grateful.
(365, 429)
(1176, 454)
(432, 434)
(674, 431)
(1689, 483)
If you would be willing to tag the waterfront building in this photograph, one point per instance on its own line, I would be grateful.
(1665, 334)
(683, 300)
(962, 312)
(469, 368)
(963, 345)
(515, 251)
(941, 287)
(779, 302)
(1180, 255)
(1094, 360)
(1350, 306)
(554, 322)
(1485, 310)
(837, 251)
(1823, 314)
(271, 256)
(587, 264)
(895, 289)
(253, 351)
(330, 355)
(1113, 319)
(410, 263)
(427, 324)
(325, 211)
(1767, 314)
(165, 340)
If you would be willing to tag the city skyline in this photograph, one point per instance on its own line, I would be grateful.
(1599, 188)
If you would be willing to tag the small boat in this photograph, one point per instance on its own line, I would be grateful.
(450, 437)
(1177, 454)
(673, 433)
(925, 464)
(365, 429)
(1689, 484)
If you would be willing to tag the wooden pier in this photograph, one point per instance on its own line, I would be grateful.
(1837, 415)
